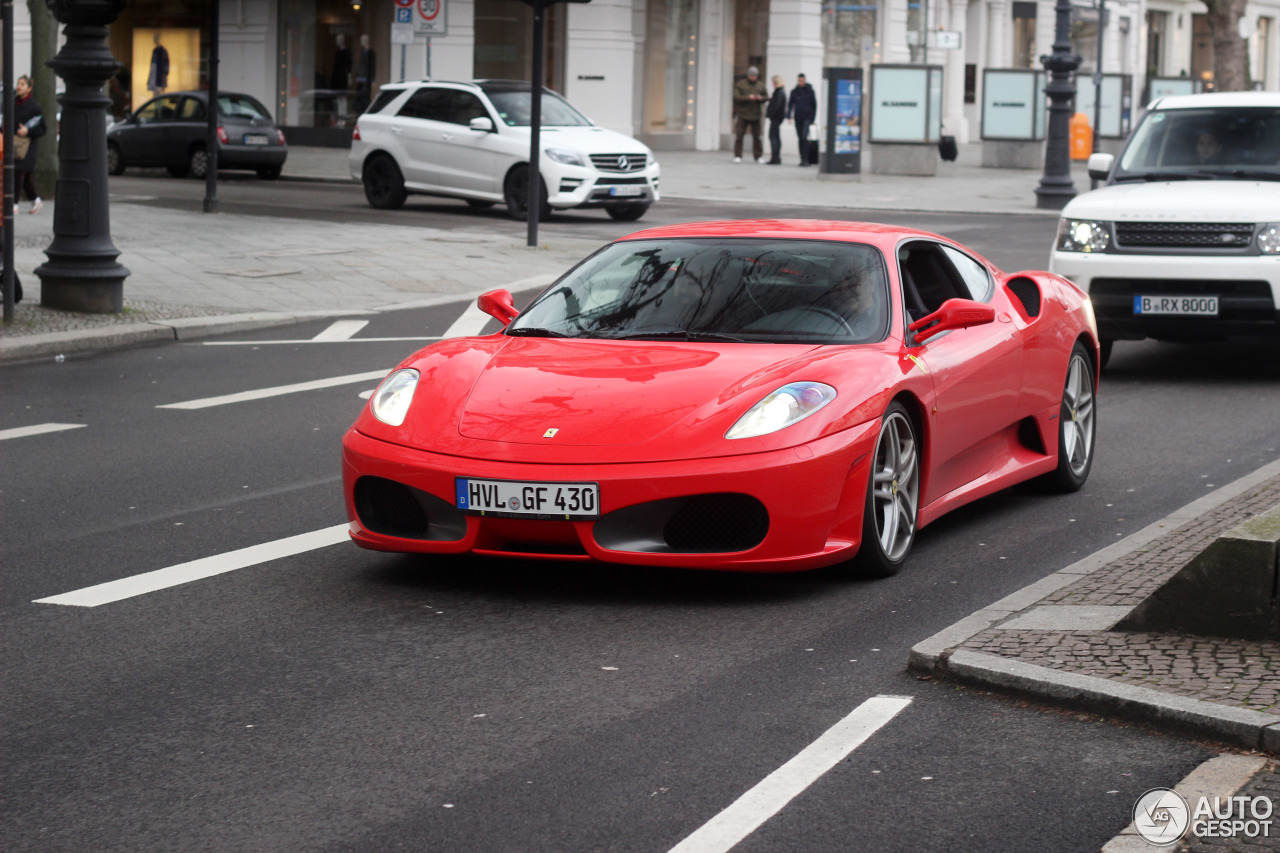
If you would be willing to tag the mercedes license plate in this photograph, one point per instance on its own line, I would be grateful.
(633, 190)
(521, 498)
(255, 139)
(1188, 306)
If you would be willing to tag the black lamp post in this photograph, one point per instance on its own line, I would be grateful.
(81, 273)
(1056, 188)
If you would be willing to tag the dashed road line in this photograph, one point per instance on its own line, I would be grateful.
(37, 429)
(340, 330)
(118, 590)
(263, 393)
(766, 799)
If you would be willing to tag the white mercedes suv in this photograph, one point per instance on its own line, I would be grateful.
(1183, 242)
(471, 141)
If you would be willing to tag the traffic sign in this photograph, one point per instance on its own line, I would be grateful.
(430, 17)
(404, 15)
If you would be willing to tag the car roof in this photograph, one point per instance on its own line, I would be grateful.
(788, 229)
(1216, 99)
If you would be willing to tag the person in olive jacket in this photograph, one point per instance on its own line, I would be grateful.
(29, 124)
(802, 109)
(748, 95)
(776, 113)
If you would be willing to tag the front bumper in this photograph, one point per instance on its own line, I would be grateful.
(808, 502)
(1247, 287)
(579, 186)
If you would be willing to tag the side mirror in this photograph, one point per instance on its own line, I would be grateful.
(484, 124)
(1100, 166)
(954, 314)
(498, 304)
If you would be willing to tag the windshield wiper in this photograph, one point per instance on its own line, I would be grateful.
(1152, 176)
(535, 332)
(1246, 174)
(677, 335)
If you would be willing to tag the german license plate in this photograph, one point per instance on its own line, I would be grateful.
(255, 139)
(521, 498)
(1188, 306)
(632, 190)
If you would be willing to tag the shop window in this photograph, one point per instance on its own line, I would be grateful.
(334, 56)
(849, 33)
(1024, 35)
(670, 63)
(504, 42)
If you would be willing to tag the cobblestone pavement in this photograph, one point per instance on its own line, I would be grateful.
(1241, 673)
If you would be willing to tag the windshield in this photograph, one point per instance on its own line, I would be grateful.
(516, 110)
(1217, 142)
(776, 291)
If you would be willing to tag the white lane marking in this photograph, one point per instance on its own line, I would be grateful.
(313, 340)
(777, 789)
(262, 393)
(340, 330)
(37, 429)
(105, 593)
(470, 323)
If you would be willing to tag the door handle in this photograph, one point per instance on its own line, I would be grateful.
(396, 128)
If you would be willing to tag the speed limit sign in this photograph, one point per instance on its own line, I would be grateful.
(430, 17)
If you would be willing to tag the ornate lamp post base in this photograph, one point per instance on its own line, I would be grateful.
(82, 273)
(1056, 187)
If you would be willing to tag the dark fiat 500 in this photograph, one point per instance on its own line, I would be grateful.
(170, 131)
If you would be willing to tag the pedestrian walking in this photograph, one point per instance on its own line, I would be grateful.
(776, 113)
(802, 108)
(748, 97)
(28, 127)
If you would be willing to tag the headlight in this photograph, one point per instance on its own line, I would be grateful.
(390, 403)
(782, 408)
(1269, 239)
(569, 158)
(1083, 235)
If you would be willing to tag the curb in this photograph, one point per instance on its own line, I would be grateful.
(941, 655)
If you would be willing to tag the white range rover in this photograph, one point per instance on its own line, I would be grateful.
(1183, 242)
(471, 141)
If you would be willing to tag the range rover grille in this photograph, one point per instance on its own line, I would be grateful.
(1184, 235)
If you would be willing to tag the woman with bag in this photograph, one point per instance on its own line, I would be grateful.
(29, 126)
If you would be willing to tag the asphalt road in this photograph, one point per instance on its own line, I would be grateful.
(338, 699)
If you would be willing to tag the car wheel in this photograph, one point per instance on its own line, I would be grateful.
(115, 163)
(1104, 353)
(626, 212)
(270, 173)
(383, 183)
(198, 162)
(478, 204)
(1077, 424)
(516, 192)
(893, 497)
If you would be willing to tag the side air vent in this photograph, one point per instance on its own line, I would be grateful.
(394, 509)
(1027, 292)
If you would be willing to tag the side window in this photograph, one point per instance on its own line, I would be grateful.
(928, 278)
(385, 97)
(149, 113)
(976, 278)
(167, 109)
(464, 106)
(431, 104)
(192, 109)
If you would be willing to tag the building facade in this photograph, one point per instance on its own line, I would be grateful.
(661, 70)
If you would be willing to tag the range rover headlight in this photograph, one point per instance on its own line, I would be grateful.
(390, 403)
(1269, 239)
(782, 408)
(1083, 235)
(569, 158)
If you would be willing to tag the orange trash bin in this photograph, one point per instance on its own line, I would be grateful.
(1081, 137)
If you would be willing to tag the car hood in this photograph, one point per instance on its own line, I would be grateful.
(588, 140)
(1180, 201)
(573, 401)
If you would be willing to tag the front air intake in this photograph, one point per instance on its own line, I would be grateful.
(394, 509)
(715, 523)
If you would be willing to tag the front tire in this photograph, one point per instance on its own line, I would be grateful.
(383, 183)
(893, 497)
(626, 212)
(1077, 424)
(115, 162)
(515, 189)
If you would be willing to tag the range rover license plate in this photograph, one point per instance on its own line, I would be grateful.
(521, 498)
(1189, 306)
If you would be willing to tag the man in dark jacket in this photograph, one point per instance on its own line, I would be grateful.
(802, 108)
(776, 113)
(29, 124)
(748, 95)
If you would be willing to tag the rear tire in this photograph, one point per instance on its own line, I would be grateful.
(626, 212)
(198, 163)
(383, 183)
(515, 189)
(893, 497)
(1077, 424)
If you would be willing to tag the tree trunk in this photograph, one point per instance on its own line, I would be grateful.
(44, 45)
(1230, 57)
